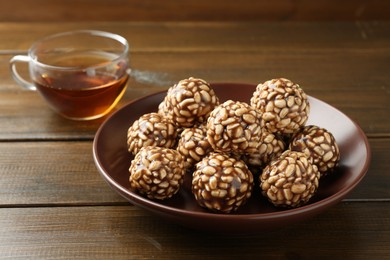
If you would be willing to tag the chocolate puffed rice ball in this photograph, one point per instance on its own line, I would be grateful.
(157, 172)
(283, 105)
(193, 145)
(221, 184)
(271, 146)
(234, 127)
(319, 144)
(151, 129)
(290, 180)
(189, 102)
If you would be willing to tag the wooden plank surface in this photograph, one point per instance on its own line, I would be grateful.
(129, 233)
(54, 204)
(29, 176)
(200, 10)
(208, 36)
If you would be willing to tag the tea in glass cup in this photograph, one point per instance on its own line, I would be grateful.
(81, 74)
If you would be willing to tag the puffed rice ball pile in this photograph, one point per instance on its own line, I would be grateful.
(229, 147)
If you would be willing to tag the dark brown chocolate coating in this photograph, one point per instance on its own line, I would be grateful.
(283, 106)
(151, 129)
(319, 144)
(193, 145)
(290, 180)
(271, 146)
(234, 127)
(157, 172)
(189, 102)
(221, 184)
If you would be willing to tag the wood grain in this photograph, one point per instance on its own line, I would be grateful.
(190, 10)
(217, 36)
(51, 173)
(127, 232)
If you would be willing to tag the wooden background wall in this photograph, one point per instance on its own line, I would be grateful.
(192, 10)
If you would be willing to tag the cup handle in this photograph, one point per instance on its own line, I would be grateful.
(21, 81)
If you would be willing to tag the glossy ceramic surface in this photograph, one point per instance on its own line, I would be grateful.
(113, 160)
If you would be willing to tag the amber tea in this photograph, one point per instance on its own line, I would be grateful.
(86, 93)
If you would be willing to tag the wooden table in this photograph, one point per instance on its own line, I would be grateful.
(54, 203)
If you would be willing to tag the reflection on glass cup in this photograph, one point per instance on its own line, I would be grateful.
(81, 74)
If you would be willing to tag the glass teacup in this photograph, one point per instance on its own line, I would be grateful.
(81, 74)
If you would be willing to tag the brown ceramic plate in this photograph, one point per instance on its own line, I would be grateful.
(113, 160)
